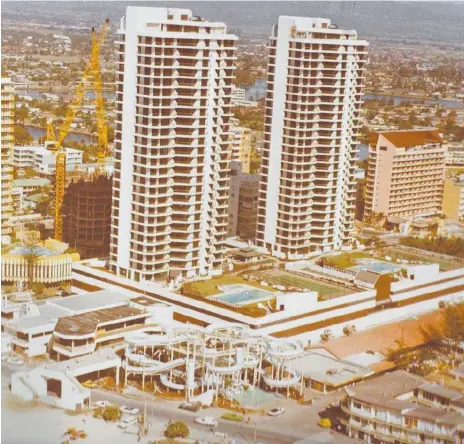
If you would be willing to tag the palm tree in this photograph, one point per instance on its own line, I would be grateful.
(31, 255)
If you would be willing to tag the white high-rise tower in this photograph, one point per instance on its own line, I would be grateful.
(313, 101)
(170, 193)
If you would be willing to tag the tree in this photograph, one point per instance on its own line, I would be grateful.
(177, 429)
(21, 113)
(22, 136)
(453, 324)
(400, 354)
(31, 254)
(449, 330)
(44, 205)
(110, 413)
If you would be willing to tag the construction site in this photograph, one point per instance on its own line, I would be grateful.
(81, 196)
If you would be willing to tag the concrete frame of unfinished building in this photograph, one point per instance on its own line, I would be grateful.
(221, 357)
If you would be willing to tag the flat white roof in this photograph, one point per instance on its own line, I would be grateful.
(365, 359)
(51, 311)
(96, 300)
(99, 360)
(33, 322)
(326, 369)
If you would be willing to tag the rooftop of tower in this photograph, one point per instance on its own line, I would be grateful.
(149, 20)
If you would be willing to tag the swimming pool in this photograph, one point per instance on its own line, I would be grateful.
(378, 267)
(244, 297)
(254, 397)
(38, 251)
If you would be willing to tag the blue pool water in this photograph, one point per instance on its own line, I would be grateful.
(379, 267)
(38, 251)
(254, 397)
(243, 296)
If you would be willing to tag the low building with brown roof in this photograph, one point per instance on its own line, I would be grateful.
(390, 409)
(83, 333)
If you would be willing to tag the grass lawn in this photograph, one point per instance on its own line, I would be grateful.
(399, 254)
(279, 277)
(209, 287)
(201, 289)
(346, 260)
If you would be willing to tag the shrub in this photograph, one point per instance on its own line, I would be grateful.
(177, 429)
(38, 288)
(111, 413)
(232, 417)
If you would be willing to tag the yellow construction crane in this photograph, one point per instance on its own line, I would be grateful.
(91, 72)
(50, 132)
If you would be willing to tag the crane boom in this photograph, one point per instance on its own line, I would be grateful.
(102, 130)
(92, 69)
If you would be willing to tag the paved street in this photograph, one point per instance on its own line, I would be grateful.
(299, 422)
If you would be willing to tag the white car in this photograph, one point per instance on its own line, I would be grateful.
(102, 404)
(127, 421)
(207, 421)
(276, 412)
(129, 410)
(15, 360)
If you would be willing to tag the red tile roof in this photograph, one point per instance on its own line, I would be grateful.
(405, 139)
(382, 337)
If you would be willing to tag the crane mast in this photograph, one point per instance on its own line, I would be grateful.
(91, 72)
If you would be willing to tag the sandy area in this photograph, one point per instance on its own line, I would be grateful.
(33, 423)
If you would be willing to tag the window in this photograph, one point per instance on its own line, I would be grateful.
(411, 422)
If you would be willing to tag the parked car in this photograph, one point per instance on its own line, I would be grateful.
(15, 360)
(127, 421)
(207, 421)
(191, 406)
(325, 423)
(103, 404)
(129, 410)
(276, 412)
(89, 384)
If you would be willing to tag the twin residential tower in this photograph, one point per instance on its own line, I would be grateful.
(173, 142)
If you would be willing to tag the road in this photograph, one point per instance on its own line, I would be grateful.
(299, 422)
(164, 412)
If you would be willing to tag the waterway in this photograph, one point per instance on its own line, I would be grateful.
(397, 100)
(67, 96)
(37, 132)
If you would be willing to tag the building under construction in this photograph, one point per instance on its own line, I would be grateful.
(243, 203)
(87, 216)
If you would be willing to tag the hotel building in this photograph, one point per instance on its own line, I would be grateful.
(406, 173)
(7, 114)
(313, 100)
(170, 192)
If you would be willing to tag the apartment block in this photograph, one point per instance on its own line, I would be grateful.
(406, 172)
(42, 159)
(172, 147)
(453, 198)
(241, 146)
(243, 203)
(7, 114)
(239, 98)
(314, 95)
(402, 408)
